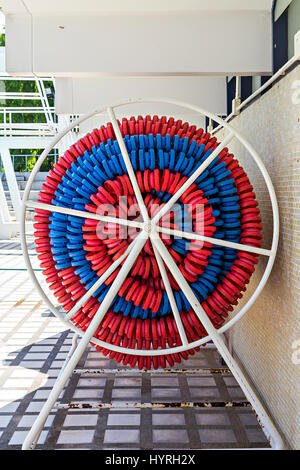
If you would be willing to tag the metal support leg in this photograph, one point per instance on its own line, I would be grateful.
(266, 422)
(11, 181)
(33, 435)
(7, 227)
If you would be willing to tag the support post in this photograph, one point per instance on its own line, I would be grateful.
(11, 181)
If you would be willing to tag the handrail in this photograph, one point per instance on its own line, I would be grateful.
(25, 125)
(17, 157)
(24, 109)
(30, 133)
(19, 95)
(269, 82)
(9, 128)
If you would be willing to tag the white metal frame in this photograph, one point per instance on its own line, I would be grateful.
(9, 132)
(8, 227)
(150, 229)
(49, 128)
(237, 105)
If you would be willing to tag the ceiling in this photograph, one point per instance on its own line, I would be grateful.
(73, 7)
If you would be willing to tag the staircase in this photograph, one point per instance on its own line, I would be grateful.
(22, 179)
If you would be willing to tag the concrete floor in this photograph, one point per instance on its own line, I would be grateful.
(34, 345)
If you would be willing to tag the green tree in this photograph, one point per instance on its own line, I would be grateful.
(26, 86)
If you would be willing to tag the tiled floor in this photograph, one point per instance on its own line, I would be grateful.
(34, 345)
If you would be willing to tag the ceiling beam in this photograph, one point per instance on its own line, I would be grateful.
(156, 44)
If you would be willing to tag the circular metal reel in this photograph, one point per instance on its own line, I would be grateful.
(150, 230)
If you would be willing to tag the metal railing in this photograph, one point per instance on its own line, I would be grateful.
(8, 125)
(25, 162)
(238, 108)
(10, 128)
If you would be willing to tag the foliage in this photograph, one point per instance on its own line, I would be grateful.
(27, 86)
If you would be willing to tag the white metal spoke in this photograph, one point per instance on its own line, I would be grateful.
(192, 178)
(83, 214)
(87, 337)
(121, 276)
(100, 281)
(128, 164)
(185, 287)
(170, 295)
(215, 241)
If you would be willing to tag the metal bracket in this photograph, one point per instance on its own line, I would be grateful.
(236, 102)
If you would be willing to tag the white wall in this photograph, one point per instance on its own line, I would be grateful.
(267, 339)
(82, 95)
(197, 42)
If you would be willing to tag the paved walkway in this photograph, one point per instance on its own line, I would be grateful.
(34, 345)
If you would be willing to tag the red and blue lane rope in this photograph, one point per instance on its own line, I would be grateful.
(74, 252)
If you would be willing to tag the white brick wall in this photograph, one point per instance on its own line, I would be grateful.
(263, 338)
